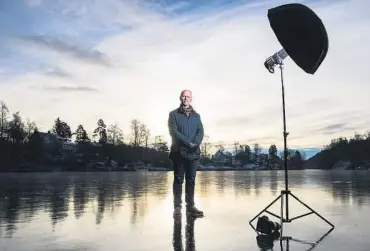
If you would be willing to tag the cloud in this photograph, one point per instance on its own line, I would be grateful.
(141, 54)
(235, 121)
(334, 128)
(55, 71)
(33, 2)
(62, 47)
(71, 89)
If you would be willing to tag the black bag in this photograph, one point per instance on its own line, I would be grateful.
(188, 154)
(266, 226)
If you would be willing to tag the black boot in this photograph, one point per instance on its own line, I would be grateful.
(193, 211)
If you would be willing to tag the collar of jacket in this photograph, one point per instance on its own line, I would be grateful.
(182, 110)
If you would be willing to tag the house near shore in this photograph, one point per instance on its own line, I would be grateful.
(221, 158)
(53, 141)
(235, 161)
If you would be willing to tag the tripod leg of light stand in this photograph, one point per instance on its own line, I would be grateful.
(264, 210)
(309, 208)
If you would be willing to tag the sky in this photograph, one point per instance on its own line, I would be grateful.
(125, 59)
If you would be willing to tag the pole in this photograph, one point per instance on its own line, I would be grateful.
(285, 134)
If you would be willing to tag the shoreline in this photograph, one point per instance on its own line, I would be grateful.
(143, 171)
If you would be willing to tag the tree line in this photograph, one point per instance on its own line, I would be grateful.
(22, 144)
(354, 150)
(243, 154)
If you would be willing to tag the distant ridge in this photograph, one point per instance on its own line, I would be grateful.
(313, 162)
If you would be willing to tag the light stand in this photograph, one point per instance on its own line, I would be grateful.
(271, 62)
(303, 37)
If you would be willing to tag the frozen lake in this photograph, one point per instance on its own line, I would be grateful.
(133, 211)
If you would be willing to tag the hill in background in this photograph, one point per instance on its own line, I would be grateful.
(343, 153)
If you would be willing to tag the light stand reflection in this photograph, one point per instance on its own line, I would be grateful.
(266, 242)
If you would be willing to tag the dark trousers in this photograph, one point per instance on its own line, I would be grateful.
(188, 170)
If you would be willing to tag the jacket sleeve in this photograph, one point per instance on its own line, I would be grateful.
(200, 133)
(172, 126)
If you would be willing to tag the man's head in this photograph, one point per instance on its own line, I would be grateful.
(186, 98)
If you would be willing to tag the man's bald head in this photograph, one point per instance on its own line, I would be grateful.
(185, 92)
(186, 97)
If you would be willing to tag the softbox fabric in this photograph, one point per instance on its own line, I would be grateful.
(301, 33)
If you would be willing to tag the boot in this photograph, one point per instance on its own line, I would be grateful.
(193, 211)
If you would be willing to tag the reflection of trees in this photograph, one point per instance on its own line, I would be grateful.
(258, 181)
(80, 197)
(204, 183)
(273, 182)
(32, 202)
(242, 182)
(103, 193)
(23, 196)
(11, 208)
(360, 187)
(349, 186)
(340, 191)
(296, 178)
(134, 195)
(59, 198)
(344, 186)
(221, 181)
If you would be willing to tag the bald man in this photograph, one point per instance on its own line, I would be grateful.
(186, 130)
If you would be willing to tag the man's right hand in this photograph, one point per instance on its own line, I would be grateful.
(192, 145)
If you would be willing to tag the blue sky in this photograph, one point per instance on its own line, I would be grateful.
(121, 59)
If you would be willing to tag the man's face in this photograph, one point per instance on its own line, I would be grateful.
(186, 98)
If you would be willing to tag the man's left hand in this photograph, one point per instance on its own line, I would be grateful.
(192, 145)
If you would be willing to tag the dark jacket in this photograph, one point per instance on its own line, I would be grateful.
(185, 129)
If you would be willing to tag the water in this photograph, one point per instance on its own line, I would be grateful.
(133, 211)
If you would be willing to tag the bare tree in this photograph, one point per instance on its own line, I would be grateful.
(236, 147)
(140, 133)
(29, 129)
(4, 111)
(220, 146)
(16, 129)
(160, 144)
(367, 135)
(135, 132)
(205, 146)
(115, 135)
(144, 135)
(257, 151)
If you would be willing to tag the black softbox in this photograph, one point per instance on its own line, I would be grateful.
(301, 33)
